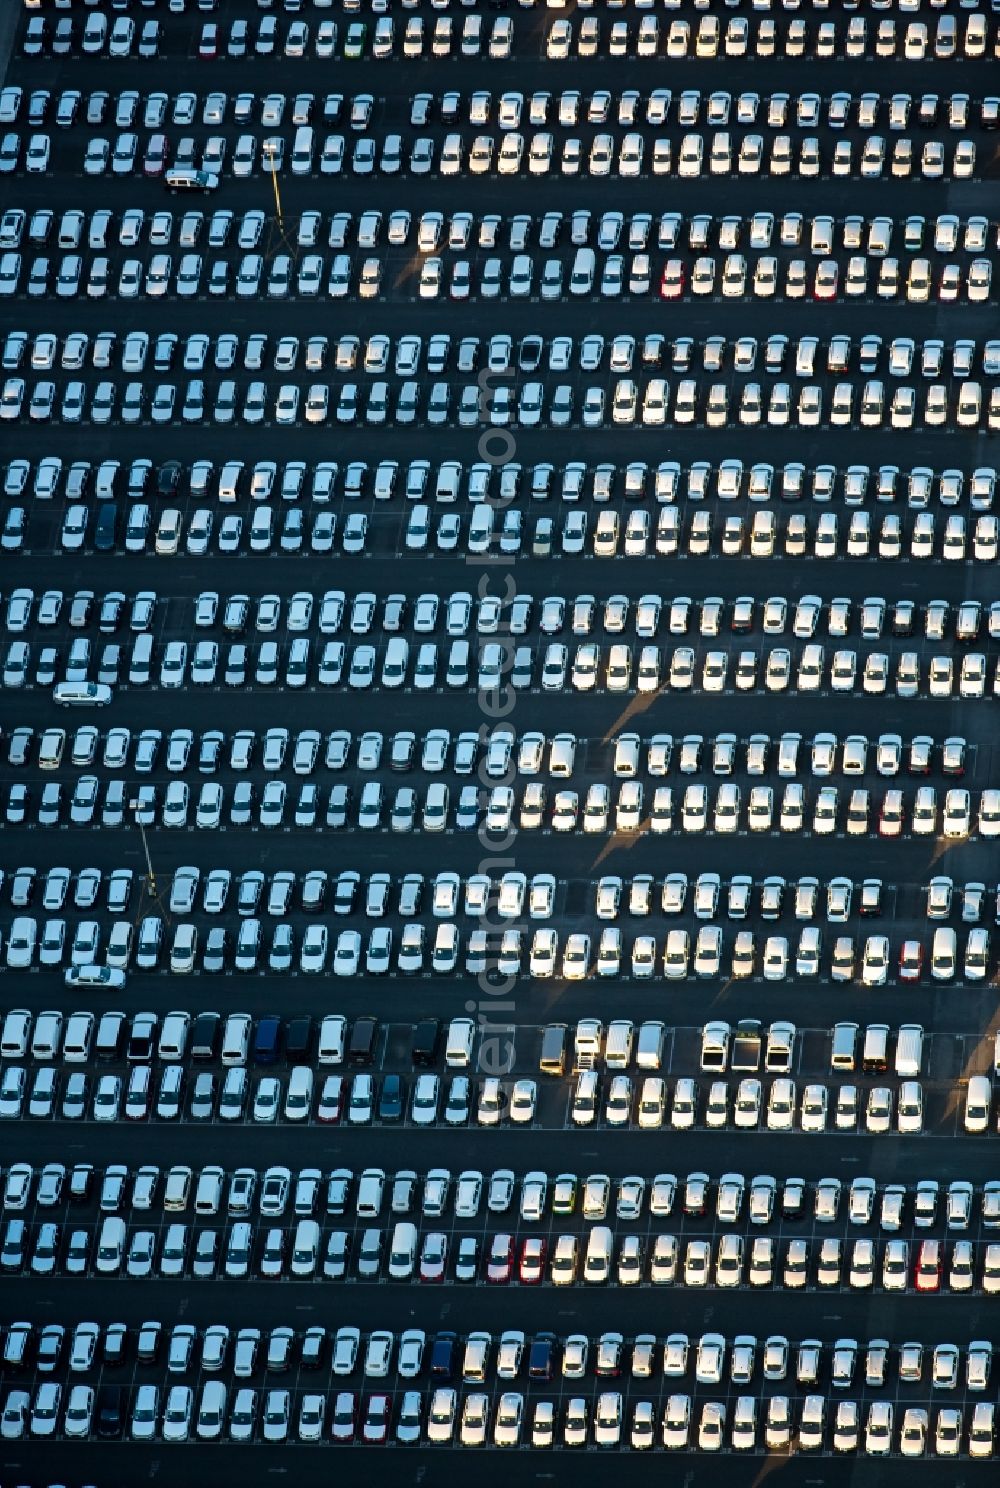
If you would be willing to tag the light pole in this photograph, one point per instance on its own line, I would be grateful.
(150, 875)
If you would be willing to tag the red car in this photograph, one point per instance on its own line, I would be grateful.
(331, 1099)
(531, 1265)
(157, 156)
(911, 959)
(826, 281)
(376, 1423)
(500, 1261)
(672, 282)
(927, 1275)
(208, 45)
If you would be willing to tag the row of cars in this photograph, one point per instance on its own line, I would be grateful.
(511, 154)
(101, 229)
(650, 402)
(380, 354)
(695, 1202)
(509, 110)
(364, 612)
(639, 533)
(448, 1357)
(612, 1420)
(496, 668)
(96, 955)
(765, 38)
(448, 481)
(306, 1250)
(728, 808)
(122, 39)
(499, 753)
(95, 958)
(457, 1100)
(341, 275)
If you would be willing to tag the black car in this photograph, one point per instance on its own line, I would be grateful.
(390, 1105)
(110, 1411)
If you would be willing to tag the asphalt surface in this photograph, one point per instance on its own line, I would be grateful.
(961, 1017)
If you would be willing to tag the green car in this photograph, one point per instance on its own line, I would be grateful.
(355, 44)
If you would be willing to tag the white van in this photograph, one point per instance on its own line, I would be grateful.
(371, 1186)
(21, 942)
(402, 1251)
(208, 1194)
(299, 1094)
(45, 1039)
(397, 655)
(434, 817)
(476, 1358)
(110, 1245)
(458, 1049)
(332, 1034)
(150, 940)
(142, 660)
(715, 1046)
(581, 279)
(978, 1101)
(184, 950)
(173, 1036)
(909, 1050)
(844, 1047)
(618, 1044)
(562, 755)
(16, 1028)
(119, 948)
(305, 1249)
(649, 1046)
(236, 1041)
(79, 1033)
(302, 150)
